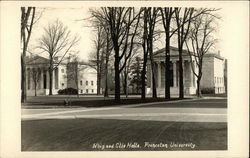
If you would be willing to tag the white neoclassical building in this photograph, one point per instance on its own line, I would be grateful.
(212, 79)
(86, 81)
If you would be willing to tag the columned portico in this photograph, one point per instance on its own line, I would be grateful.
(174, 73)
(42, 87)
(41, 80)
(159, 74)
(188, 77)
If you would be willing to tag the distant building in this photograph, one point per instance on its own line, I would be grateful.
(212, 78)
(61, 77)
(87, 77)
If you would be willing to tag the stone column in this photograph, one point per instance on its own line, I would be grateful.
(31, 79)
(159, 74)
(174, 72)
(184, 73)
(191, 74)
(47, 80)
(53, 80)
(41, 79)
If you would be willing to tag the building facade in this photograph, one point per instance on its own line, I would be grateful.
(37, 77)
(83, 76)
(212, 79)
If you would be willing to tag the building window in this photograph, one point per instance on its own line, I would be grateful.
(62, 70)
(81, 82)
(62, 84)
(87, 91)
(92, 83)
(92, 90)
(81, 90)
(87, 83)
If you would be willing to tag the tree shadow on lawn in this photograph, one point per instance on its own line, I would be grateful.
(159, 102)
(121, 135)
(96, 102)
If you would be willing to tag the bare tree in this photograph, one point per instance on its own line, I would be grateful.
(150, 20)
(184, 18)
(27, 21)
(97, 58)
(36, 76)
(74, 69)
(145, 46)
(107, 58)
(99, 22)
(167, 14)
(127, 70)
(123, 23)
(183, 21)
(202, 39)
(56, 41)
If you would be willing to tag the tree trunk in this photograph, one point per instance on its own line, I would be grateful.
(50, 81)
(98, 71)
(106, 66)
(154, 91)
(50, 76)
(76, 77)
(77, 87)
(125, 86)
(181, 86)
(117, 76)
(106, 81)
(167, 66)
(125, 82)
(143, 79)
(35, 88)
(99, 84)
(23, 80)
(198, 91)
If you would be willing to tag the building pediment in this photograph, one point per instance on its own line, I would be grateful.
(36, 60)
(173, 52)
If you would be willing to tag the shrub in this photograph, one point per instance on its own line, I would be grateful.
(67, 91)
(207, 91)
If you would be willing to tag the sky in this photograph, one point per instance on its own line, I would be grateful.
(70, 17)
(73, 18)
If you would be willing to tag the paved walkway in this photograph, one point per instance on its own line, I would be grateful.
(146, 111)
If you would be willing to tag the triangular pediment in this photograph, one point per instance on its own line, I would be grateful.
(173, 52)
(37, 60)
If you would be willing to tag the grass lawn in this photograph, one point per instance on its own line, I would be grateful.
(111, 134)
(58, 102)
(88, 102)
